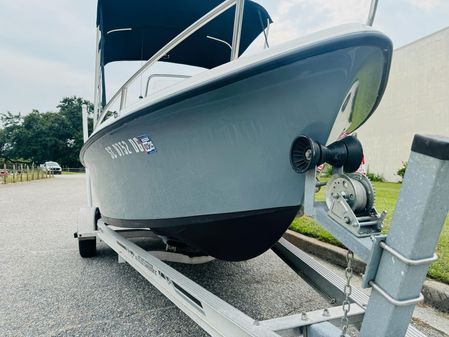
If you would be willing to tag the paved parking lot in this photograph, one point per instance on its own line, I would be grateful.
(47, 289)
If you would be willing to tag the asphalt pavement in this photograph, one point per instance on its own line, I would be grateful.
(47, 289)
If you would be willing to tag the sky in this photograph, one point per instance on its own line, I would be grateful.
(47, 46)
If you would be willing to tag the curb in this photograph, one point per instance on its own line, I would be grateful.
(436, 294)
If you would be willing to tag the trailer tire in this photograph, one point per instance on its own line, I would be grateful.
(87, 247)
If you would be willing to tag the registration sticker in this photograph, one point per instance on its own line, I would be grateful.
(147, 144)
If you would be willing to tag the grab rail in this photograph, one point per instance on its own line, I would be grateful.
(122, 92)
(163, 76)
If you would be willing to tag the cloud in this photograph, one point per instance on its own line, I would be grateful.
(47, 52)
(26, 78)
(51, 29)
(405, 20)
(294, 18)
(427, 5)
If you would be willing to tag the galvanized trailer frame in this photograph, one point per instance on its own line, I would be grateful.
(396, 264)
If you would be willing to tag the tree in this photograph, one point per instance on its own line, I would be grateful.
(9, 125)
(3, 144)
(41, 137)
(71, 109)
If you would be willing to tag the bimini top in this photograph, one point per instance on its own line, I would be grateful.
(135, 30)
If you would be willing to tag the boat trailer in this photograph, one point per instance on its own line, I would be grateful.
(396, 264)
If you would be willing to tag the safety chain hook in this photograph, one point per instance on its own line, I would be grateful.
(347, 291)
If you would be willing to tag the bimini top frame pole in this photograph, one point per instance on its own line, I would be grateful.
(372, 12)
(97, 89)
(176, 41)
(238, 21)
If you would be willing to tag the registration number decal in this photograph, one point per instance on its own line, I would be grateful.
(123, 148)
(147, 144)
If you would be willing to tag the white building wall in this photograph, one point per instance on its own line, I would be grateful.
(416, 101)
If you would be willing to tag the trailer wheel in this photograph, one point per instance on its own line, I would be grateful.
(87, 247)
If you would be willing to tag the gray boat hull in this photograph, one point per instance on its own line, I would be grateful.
(212, 168)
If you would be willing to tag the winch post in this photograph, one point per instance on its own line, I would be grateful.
(417, 222)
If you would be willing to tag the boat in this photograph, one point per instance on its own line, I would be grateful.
(205, 162)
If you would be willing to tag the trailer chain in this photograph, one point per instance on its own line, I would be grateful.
(347, 291)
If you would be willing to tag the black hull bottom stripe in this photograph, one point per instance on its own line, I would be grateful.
(231, 236)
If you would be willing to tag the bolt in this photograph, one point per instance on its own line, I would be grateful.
(308, 154)
(347, 220)
(326, 312)
(304, 316)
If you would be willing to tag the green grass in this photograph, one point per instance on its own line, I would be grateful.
(66, 173)
(386, 196)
